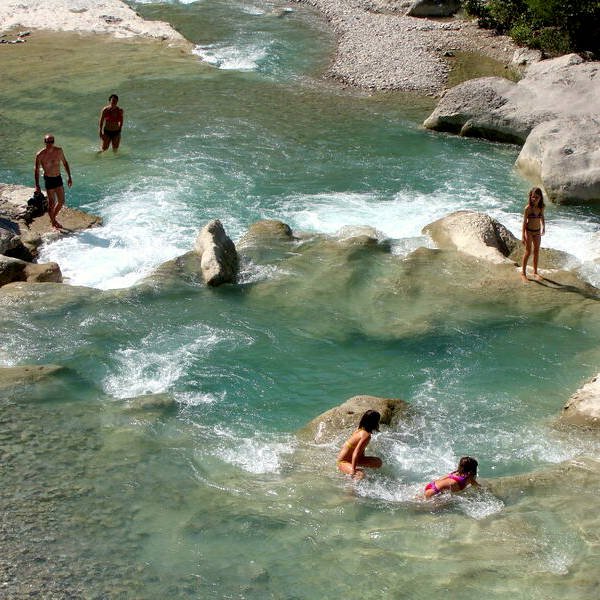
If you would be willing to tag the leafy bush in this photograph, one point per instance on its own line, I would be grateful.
(553, 26)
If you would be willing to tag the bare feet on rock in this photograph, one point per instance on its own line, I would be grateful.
(538, 277)
(524, 278)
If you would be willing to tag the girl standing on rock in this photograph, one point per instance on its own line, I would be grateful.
(534, 227)
(352, 454)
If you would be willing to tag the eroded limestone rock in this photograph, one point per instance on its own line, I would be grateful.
(218, 257)
(342, 419)
(562, 156)
(474, 233)
(583, 407)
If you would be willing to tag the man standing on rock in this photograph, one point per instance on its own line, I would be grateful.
(49, 158)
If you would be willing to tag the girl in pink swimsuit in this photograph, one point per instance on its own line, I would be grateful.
(457, 480)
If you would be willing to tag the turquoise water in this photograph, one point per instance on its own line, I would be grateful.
(217, 497)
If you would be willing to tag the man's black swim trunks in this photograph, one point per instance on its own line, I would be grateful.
(52, 183)
(111, 134)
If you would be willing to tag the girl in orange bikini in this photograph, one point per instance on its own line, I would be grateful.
(534, 227)
(457, 480)
(352, 455)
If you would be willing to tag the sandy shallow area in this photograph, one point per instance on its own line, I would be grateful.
(85, 16)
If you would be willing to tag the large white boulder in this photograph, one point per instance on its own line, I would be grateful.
(473, 233)
(564, 90)
(218, 257)
(563, 157)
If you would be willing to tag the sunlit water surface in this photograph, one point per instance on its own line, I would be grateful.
(218, 498)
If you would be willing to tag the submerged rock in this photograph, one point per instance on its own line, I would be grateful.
(266, 232)
(331, 289)
(42, 295)
(12, 376)
(340, 419)
(583, 472)
(219, 261)
(150, 402)
(583, 407)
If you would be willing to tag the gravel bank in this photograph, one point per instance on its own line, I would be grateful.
(85, 16)
(380, 48)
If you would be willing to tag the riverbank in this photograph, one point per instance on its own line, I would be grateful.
(383, 49)
(377, 49)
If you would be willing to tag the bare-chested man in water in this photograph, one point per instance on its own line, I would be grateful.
(49, 158)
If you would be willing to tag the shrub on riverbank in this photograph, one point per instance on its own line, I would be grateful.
(553, 26)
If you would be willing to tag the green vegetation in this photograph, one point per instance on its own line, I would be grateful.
(553, 26)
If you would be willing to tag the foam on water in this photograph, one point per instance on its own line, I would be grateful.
(141, 230)
(476, 504)
(145, 227)
(399, 216)
(402, 217)
(258, 454)
(232, 57)
(160, 359)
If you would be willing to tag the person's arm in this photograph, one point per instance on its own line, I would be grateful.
(525, 215)
(101, 121)
(543, 221)
(359, 450)
(121, 118)
(474, 482)
(67, 169)
(36, 173)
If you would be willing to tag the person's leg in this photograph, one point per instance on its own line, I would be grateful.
(105, 142)
(537, 239)
(526, 256)
(373, 462)
(60, 201)
(52, 201)
(116, 142)
(346, 467)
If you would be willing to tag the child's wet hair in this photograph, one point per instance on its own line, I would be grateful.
(536, 191)
(467, 466)
(370, 421)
